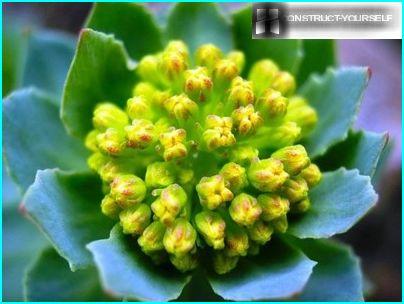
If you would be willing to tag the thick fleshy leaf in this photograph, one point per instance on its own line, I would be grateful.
(337, 275)
(280, 271)
(199, 23)
(66, 207)
(100, 71)
(361, 150)
(337, 203)
(50, 279)
(130, 22)
(287, 53)
(48, 58)
(318, 55)
(128, 273)
(20, 241)
(34, 137)
(336, 95)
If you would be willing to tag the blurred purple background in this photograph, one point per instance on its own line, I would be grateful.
(377, 238)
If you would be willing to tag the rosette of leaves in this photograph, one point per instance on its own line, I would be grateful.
(90, 257)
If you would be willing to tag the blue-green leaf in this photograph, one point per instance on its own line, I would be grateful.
(128, 273)
(66, 207)
(341, 199)
(130, 22)
(50, 279)
(318, 55)
(361, 150)
(337, 275)
(287, 53)
(34, 137)
(199, 23)
(336, 96)
(100, 71)
(47, 61)
(20, 242)
(280, 271)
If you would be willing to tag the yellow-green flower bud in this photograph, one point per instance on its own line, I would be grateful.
(91, 140)
(260, 232)
(218, 133)
(301, 207)
(241, 92)
(238, 58)
(273, 105)
(212, 192)
(185, 262)
(262, 75)
(178, 46)
(212, 227)
(114, 167)
(96, 161)
(138, 107)
(222, 263)
(273, 206)
(300, 112)
(267, 175)
(184, 175)
(312, 175)
(141, 134)
(246, 120)
(280, 224)
(208, 55)
(173, 143)
(285, 83)
(235, 176)
(170, 204)
(112, 141)
(243, 155)
(198, 84)
(295, 189)
(173, 64)
(159, 175)
(236, 241)
(280, 136)
(109, 207)
(244, 209)
(108, 115)
(224, 72)
(128, 190)
(293, 158)
(152, 237)
(134, 220)
(180, 238)
(145, 89)
(148, 69)
(180, 106)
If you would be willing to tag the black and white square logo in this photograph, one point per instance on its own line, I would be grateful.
(268, 20)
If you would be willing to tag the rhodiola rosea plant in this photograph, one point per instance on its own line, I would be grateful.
(186, 160)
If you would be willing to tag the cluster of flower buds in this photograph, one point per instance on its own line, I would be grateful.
(202, 159)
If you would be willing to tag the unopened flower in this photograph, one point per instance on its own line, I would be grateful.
(246, 119)
(108, 115)
(267, 175)
(262, 74)
(311, 174)
(140, 134)
(112, 141)
(273, 105)
(300, 112)
(301, 206)
(134, 220)
(180, 238)
(293, 158)
(128, 190)
(235, 176)
(170, 204)
(180, 106)
(284, 82)
(238, 58)
(185, 262)
(159, 175)
(208, 55)
(273, 206)
(222, 263)
(241, 92)
(280, 224)
(218, 133)
(152, 237)
(237, 242)
(295, 189)
(138, 107)
(244, 209)
(173, 144)
(212, 192)
(212, 227)
(109, 207)
(260, 232)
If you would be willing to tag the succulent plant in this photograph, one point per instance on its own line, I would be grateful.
(206, 159)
